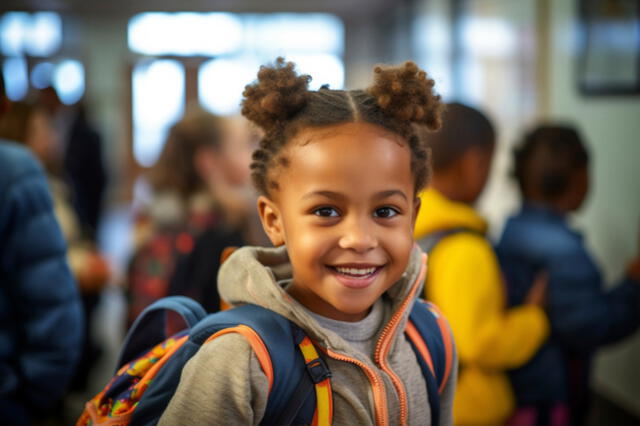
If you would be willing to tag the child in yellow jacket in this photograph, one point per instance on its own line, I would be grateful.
(464, 278)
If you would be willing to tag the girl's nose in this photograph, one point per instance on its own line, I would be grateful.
(358, 237)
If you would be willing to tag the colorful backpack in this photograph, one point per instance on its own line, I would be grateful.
(152, 363)
(152, 266)
(153, 263)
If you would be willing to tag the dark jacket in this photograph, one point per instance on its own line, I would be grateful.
(84, 165)
(40, 312)
(196, 272)
(583, 314)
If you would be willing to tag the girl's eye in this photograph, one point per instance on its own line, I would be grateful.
(385, 212)
(326, 212)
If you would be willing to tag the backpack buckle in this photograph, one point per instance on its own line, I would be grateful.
(318, 370)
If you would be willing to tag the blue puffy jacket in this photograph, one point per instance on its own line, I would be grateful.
(583, 315)
(40, 311)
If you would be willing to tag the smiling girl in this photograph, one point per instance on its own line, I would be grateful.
(338, 172)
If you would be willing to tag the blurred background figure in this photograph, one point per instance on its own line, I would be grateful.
(32, 125)
(85, 170)
(41, 318)
(552, 171)
(199, 204)
(463, 276)
(79, 151)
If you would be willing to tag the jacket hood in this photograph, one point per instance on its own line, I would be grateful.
(252, 275)
(438, 212)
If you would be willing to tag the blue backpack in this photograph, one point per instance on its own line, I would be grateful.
(151, 362)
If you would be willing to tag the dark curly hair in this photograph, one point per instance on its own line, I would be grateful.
(546, 158)
(463, 128)
(401, 100)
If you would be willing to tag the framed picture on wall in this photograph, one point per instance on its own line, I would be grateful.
(609, 55)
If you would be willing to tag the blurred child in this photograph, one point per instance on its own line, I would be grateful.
(464, 278)
(80, 149)
(40, 312)
(200, 182)
(551, 167)
(33, 127)
(339, 172)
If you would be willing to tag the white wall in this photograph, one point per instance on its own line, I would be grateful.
(611, 217)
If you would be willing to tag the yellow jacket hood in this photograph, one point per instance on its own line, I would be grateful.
(464, 280)
(438, 212)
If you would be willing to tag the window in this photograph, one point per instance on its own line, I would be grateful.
(222, 53)
(16, 78)
(68, 80)
(36, 34)
(158, 102)
(221, 82)
(29, 43)
(185, 33)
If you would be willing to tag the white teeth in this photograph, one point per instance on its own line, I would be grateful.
(355, 271)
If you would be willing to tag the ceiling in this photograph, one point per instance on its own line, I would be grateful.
(344, 8)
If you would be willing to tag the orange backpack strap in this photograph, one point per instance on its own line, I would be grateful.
(142, 388)
(226, 253)
(299, 381)
(257, 345)
(448, 342)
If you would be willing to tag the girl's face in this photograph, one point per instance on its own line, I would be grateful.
(345, 208)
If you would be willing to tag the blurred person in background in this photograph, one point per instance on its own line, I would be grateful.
(200, 204)
(85, 169)
(41, 317)
(551, 168)
(33, 126)
(464, 278)
(79, 147)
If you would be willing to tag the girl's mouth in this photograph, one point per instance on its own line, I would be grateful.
(356, 276)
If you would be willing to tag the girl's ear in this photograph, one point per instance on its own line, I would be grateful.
(271, 220)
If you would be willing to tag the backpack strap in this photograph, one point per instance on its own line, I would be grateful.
(271, 337)
(312, 400)
(293, 374)
(321, 377)
(151, 326)
(431, 341)
(428, 242)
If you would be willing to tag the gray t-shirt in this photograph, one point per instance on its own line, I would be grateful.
(362, 336)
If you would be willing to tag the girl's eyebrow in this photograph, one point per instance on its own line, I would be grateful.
(390, 193)
(327, 194)
(338, 196)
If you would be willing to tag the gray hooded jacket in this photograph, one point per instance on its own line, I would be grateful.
(224, 383)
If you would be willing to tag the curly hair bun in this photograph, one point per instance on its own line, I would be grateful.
(277, 95)
(405, 92)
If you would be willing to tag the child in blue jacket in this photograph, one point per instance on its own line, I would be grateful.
(551, 168)
(40, 313)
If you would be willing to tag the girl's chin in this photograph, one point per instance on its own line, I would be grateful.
(350, 314)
